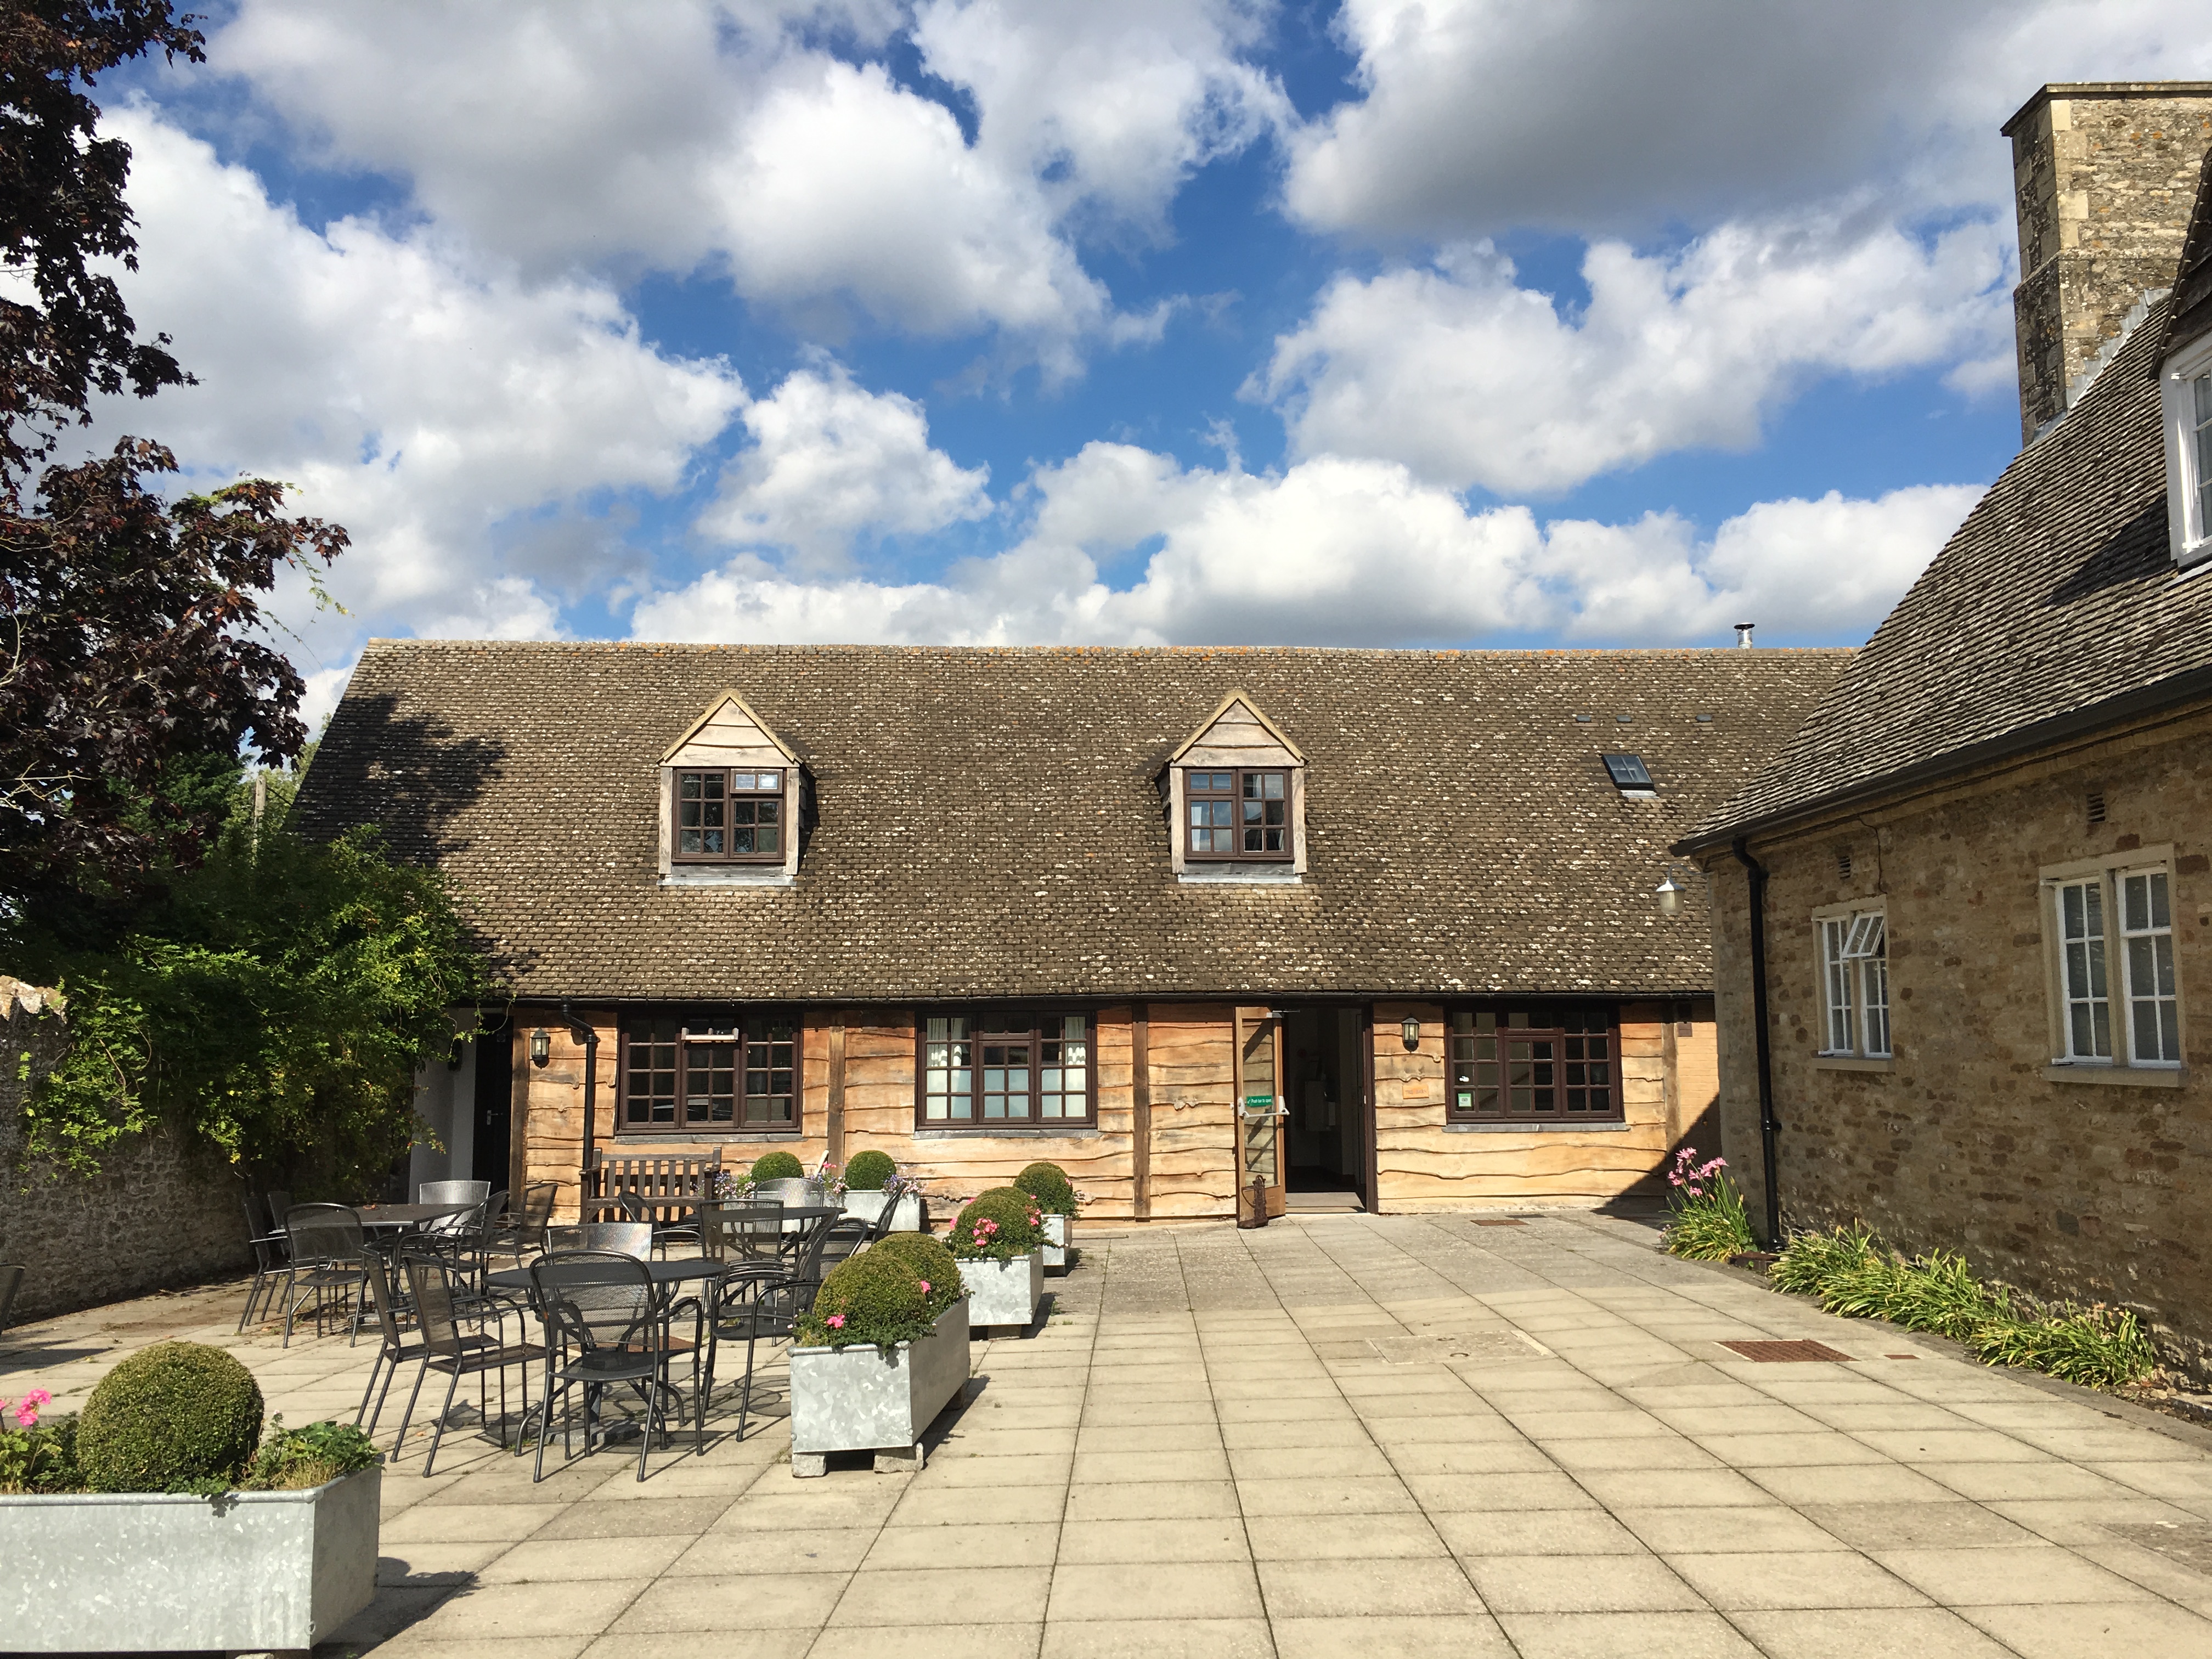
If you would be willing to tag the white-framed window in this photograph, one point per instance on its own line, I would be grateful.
(2186, 388)
(1855, 982)
(2116, 998)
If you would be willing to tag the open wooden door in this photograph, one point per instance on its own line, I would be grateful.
(1261, 1114)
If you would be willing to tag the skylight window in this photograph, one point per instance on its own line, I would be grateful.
(1631, 777)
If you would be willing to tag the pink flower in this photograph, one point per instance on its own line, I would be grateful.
(26, 1416)
(925, 1287)
(39, 1398)
(836, 1322)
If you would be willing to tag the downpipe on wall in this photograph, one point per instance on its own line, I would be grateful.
(1770, 1126)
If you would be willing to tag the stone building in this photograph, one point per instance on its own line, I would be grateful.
(1376, 927)
(1963, 921)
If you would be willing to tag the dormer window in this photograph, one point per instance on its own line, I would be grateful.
(729, 814)
(2186, 389)
(1236, 800)
(730, 794)
(1238, 814)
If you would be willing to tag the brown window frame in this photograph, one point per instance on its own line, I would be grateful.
(730, 798)
(1566, 1029)
(977, 1040)
(707, 1028)
(1234, 796)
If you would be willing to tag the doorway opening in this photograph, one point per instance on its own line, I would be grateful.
(1324, 1085)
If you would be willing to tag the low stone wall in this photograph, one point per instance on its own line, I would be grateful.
(155, 1216)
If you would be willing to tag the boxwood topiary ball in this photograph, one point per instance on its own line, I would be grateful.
(1048, 1184)
(777, 1166)
(1011, 1208)
(173, 1415)
(875, 1297)
(931, 1262)
(868, 1171)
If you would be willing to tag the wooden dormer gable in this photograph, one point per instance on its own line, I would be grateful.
(738, 750)
(1236, 740)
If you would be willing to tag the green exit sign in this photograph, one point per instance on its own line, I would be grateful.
(1259, 1102)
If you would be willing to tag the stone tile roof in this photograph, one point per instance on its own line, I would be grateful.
(2190, 317)
(2054, 602)
(987, 822)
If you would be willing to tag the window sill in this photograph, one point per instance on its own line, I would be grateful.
(1257, 875)
(1853, 1063)
(2127, 1077)
(697, 1137)
(1069, 1132)
(1612, 1128)
(732, 875)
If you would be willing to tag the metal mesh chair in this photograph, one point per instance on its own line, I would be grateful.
(327, 1256)
(393, 1350)
(451, 1192)
(766, 1305)
(268, 1263)
(741, 1232)
(630, 1238)
(279, 1205)
(526, 1229)
(604, 1327)
(447, 1347)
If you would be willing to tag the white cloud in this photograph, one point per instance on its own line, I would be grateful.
(1469, 379)
(1344, 552)
(1591, 116)
(421, 402)
(691, 136)
(832, 463)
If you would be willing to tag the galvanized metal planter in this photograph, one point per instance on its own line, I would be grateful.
(1056, 1230)
(253, 1571)
(861, 1399)
(1004, 1292)
(867, 1207)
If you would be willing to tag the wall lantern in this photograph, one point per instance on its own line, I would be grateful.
(1409, 1033)
(541, 1046)
(1670, 894)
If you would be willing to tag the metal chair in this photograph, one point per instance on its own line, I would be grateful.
(268, 1267)
(849, 1235)
(327, 1255)
(526, 1230)
(768, 1305)
(630, 1238)
(393, 1350)
(445, 1347)
(11, 1280)
(279, 1205)
(451, 1192)
(604, 1327)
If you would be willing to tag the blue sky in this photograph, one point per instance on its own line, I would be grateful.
(1472, 322)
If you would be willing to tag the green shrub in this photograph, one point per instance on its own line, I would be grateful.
(294, 1460)
(868, 1171)
(876, 1299)
(778, 1166)
(997, 1226)
(1048, 1183)
(927, 1256)
(1851, 1273)
(176, 1417)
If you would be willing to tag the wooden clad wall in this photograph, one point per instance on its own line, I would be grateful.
(1421, 1164)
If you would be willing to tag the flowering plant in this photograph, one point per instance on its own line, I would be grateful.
(893, 1291)
(999, 1225)
(1707, 1221)
(35, 1458)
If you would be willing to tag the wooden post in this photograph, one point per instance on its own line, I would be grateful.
(834, 1127)
(1141, 1112)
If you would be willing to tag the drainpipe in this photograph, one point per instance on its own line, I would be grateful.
(1769, 1124)
(590, 1039)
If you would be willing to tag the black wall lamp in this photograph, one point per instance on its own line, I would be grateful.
(1409, 1033)
(541, 1046)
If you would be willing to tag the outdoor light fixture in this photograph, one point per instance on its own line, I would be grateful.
(541, 1046)
(1409, 1033)
(1670, 894)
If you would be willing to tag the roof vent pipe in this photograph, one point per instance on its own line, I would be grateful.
(1743, 633)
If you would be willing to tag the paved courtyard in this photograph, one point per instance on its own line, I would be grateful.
(1342, 1435)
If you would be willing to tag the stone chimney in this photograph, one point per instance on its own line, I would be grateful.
(2104, 177)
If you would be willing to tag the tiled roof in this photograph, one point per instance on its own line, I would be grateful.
(2191, 316)
(988, 823)
(2055, 596)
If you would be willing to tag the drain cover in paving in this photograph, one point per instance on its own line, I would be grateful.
(1772, 1352)
(1501, 1221)
(1455, 1350)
